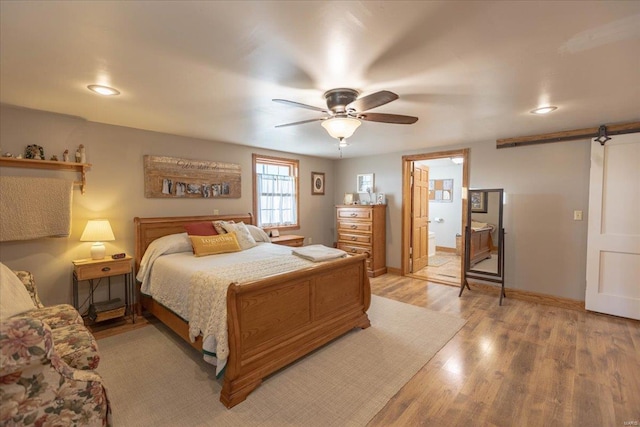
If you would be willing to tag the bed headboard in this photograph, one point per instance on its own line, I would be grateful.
(149, 229)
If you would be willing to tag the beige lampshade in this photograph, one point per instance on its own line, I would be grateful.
(98, 231)
(341, 127)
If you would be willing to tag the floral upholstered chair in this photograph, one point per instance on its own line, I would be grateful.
(74, 343)
(47, 358)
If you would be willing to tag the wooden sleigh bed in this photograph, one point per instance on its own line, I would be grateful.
(275, 320)
(481, 245)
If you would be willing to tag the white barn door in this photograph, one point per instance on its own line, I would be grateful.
(613, 243)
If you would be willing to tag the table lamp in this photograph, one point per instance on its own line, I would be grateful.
(97, 231)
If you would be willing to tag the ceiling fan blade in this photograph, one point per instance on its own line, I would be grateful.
(388, 118)
(298, 104)
(372, 101)
(301, 122)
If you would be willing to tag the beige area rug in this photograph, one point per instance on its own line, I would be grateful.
(155, 379)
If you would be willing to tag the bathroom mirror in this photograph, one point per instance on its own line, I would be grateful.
(484, 238)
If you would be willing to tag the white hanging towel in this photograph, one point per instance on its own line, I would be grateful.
(32, 207)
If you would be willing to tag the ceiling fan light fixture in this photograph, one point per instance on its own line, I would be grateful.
(544, 110)
(341, 127)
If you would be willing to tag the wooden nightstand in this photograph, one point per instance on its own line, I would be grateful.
(288, 240)
(91, 270)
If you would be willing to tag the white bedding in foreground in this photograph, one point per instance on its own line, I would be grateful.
(171, 274)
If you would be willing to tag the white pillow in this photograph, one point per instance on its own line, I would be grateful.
(245, 239)
(169, 244)
(14, 297)
(258, 233)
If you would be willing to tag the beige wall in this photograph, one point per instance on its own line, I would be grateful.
(115, 189)
(546, 249)
(544, 184)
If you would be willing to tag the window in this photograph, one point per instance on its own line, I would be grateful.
(275, 192)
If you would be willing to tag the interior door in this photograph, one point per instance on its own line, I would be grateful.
(613, 243)
(420, 218)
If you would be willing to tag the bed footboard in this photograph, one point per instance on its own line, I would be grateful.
(275, 321)
(481, 246)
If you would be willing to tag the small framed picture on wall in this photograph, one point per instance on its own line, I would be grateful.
(478, 200)
(317, 183)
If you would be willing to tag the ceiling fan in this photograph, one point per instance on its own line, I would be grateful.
(345, 111)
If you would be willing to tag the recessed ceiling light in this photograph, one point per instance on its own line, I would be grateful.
(544, 110)
(103, 90)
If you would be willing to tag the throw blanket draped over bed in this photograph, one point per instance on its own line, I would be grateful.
(208, 299)
(34, 207)
(318, 253)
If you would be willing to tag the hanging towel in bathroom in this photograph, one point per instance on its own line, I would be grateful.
(32, 207)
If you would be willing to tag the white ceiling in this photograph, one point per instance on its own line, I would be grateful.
(471, 71)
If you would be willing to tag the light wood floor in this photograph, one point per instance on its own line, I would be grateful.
(522, 364)
(449, 273)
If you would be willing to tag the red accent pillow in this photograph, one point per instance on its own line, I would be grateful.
(200, 229)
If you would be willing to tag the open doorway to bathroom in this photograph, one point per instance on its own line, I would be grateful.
(433, 205)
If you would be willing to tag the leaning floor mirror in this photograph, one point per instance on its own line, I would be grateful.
(484, 239)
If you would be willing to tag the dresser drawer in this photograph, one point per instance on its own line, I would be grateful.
(355, 226)
(355, 238)
(362, 214)
(353, 249)
(97, 270)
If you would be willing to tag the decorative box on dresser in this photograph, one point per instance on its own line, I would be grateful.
(362, 228)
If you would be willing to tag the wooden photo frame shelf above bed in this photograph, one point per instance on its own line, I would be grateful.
(320, 303)
(173, 177)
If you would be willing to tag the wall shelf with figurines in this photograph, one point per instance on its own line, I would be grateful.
(12, 162)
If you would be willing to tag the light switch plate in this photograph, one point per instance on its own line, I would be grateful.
(577, 215)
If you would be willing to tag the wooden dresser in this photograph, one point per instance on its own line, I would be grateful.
(362, 228)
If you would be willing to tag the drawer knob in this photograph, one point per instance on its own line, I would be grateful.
(105, 269)
(353, 237)
(354, 226)
(354, 250)
(354, 214)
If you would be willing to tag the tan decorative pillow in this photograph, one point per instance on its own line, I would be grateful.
(245, 239)
(211, 245)
(218, 225)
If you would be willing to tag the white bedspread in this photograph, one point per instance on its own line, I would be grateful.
(169, 274)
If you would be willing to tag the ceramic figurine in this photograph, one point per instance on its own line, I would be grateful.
(7, 154)
(54, 158)
(78, 158)
(34, 152)
(65, 156)
(83, 156)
